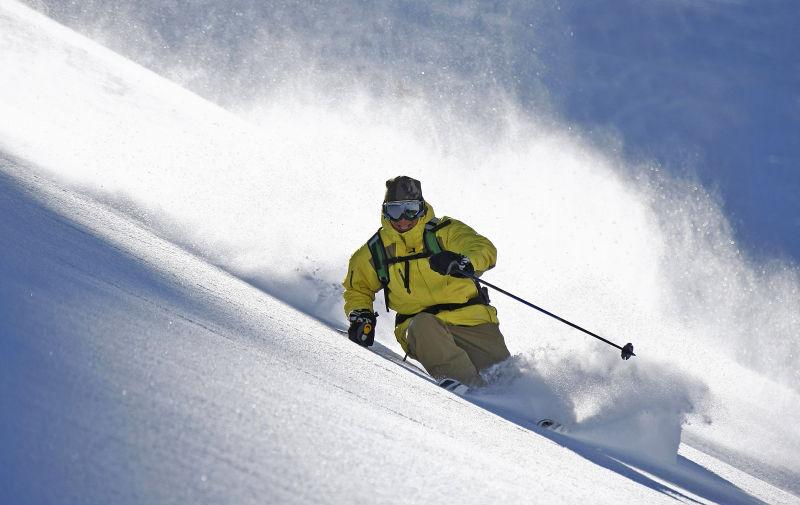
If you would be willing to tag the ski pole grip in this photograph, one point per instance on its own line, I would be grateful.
(364, 333)
(362, 327)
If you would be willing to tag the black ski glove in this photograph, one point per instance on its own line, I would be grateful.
(450, 263)
(362, 327)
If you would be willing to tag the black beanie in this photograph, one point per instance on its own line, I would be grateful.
(403, 188)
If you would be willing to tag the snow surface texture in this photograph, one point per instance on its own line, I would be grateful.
(135, 372)
(281, 202)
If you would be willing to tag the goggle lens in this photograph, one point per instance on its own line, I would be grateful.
(406, 209)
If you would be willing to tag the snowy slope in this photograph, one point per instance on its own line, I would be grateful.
(134, 372)
(166, 369)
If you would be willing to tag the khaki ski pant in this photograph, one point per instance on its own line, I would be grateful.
(456, 352)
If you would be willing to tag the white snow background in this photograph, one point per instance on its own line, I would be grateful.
(146, 232)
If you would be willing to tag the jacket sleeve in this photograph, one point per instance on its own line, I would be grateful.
(361, 282)
(460, 238)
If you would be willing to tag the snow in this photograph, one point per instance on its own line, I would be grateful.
(169, 281)
(139, 373)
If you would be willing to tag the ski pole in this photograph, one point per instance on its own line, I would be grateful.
(627, 349)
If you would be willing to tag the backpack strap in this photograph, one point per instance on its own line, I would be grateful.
(378, 252)
(429, 235)
(435, 309)
(381, 260)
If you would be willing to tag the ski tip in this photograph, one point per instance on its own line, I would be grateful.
(549, 424)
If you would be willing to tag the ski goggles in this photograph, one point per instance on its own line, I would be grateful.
(403, 209)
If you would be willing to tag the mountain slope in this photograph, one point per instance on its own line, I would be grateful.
(171, 380)
(134, 372)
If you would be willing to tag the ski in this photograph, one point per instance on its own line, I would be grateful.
(454, 386)
(551, 425)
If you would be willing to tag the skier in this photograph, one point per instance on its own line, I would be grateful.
(425, 267)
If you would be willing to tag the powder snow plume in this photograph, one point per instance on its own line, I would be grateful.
(279, 180)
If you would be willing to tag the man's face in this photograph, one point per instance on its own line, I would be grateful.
(403, 225)
(403, 214)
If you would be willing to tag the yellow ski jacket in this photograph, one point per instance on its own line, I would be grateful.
(425, 287)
